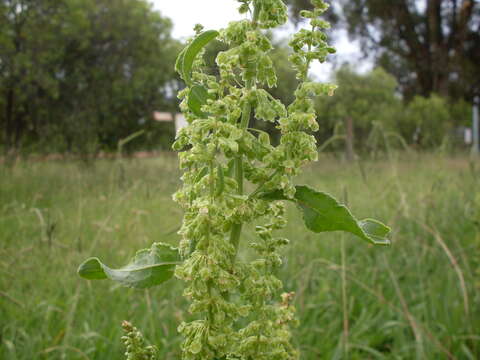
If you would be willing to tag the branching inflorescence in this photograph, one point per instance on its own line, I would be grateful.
(224, 153)
(233, 177)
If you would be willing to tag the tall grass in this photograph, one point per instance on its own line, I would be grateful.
(418, 299)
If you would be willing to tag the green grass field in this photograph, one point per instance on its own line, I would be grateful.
(418, 299)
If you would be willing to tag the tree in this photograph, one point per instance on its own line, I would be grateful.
(427, 122)
(81, 74)
(361, 101)
(116, 70)
(28, 55)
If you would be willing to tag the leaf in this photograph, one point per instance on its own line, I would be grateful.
(201, 174)
(179, 61)
(230, 168)
(197, 97)
(187, 56)
(199, 177)
(322, 213)
(263, 137)
(148, 268)
(230, 144)
(198, 94)
(220, 181)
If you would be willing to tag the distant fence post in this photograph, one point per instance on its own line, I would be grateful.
(476, 127)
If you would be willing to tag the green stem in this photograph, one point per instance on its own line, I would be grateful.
(237, 228)
(246, 113)
(307, 67)
(211, 180)
(256, 11)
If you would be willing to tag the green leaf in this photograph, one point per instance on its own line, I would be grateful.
(230, 168)
(179, 61)
(201, 174)
(322, 212)
(148, 268)
(220, 181)
(197, 97)
(198, 94)
(187, 56)
(263, 137)
(232, 145)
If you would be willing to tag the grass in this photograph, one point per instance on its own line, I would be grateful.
(418, 299)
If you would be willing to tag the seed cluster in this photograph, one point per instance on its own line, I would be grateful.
(135, 344)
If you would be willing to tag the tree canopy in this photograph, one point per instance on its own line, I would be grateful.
(361, 101)
(81, 72)
(79, 75)
(371, 104)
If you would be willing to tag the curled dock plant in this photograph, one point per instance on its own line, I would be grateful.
(233, 177)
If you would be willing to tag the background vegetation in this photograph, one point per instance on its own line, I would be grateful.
(418, 299)
(78, 76)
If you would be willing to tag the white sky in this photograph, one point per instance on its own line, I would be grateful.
(216, 14)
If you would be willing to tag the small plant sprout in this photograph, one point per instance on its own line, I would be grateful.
(234, 177)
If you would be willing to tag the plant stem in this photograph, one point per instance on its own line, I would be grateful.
(237, 228)
(307, 67)
(246, 113)
(256, 10)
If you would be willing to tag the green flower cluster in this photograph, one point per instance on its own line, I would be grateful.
(234, 303)
(266, 13)
(267, 336)
(309, 45)
(135, 344)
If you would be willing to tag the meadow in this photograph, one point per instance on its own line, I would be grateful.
(417, 299)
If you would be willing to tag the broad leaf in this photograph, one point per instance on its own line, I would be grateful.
(148, 268)
(179, 62)
(187, 56)
(197, 97)
(322, 212)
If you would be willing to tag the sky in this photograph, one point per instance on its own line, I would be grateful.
(216, 14)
